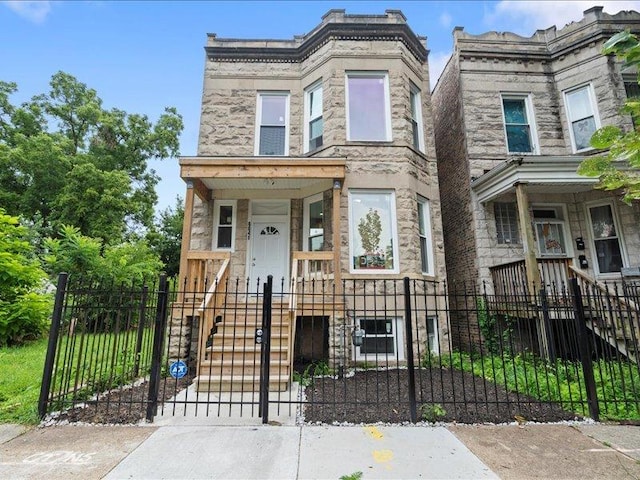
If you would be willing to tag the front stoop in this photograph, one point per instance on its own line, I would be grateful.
(231, 360)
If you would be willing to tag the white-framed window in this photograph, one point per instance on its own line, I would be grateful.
(605, 234)
(368, 106)
(383, 338)
(373, 240)
(313, 224)
(433, 340)
(506, 217)
(313, 121)
(416, 118)
(551, 231)
(582, 114)
(272, 124)
(519, 124)
(424, 232)
(224, 221)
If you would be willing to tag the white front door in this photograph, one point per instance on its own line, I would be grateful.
(269, 252)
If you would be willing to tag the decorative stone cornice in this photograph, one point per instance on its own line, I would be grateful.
(286, 52)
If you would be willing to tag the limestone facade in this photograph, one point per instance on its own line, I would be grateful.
(474, 157)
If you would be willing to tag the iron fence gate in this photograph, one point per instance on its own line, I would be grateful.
(361, 351)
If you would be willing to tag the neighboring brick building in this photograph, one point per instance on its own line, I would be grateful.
(302, 141)
(513, 117)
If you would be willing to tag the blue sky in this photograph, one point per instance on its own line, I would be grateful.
(143, 56)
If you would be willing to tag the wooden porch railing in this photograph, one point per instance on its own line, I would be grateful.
(613, 315)
(202, 268)
(511, 278)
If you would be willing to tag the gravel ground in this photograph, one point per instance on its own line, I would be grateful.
(365, 397)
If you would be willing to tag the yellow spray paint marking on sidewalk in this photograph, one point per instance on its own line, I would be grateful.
(382, 456)
(374, 432)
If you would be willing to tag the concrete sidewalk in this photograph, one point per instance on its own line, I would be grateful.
(316, 452)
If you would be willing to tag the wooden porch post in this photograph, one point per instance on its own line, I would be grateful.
(186, 237)
(335, 223)
(528, 239)
(534, 281)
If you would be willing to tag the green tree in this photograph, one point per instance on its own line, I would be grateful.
(619, 169)
(166, 237)
(24, 309)
(65, 159)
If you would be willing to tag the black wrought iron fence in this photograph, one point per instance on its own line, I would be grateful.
(359, 351)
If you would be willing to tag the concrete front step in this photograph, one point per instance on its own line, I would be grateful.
(239, 383)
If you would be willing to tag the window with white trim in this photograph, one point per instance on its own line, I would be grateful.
(606, 239)
(582, 114)
(519, 124)
(313, 224)
(373, 241)
(424, 232)
(550, 231)
(314, 124)
(368, 106)
(506, 218)
(224, 220)
(416, 118)
(382, 338)
(433, 343)
(272, 124)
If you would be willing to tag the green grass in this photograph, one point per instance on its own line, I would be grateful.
(617, 383)
(20, 380)
(99, 362)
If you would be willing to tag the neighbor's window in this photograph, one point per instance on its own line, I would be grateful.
(582, 115)
(432, 335)
(314, 126)
(372, 231)
(506, 222)
(424, 232)
(272, 124)
(606, 239)
(368, 108)
(518, 123)
(632, 89)
(416, 118)
(224, 220)
(550, 231)
(382, 338)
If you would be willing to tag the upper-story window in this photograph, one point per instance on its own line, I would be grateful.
(368, 106)
(314, 126)
(416, 118)
(519, 124)
(272, 124)
(582, 114)
(632, 89)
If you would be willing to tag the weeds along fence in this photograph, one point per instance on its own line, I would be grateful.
(362, 351)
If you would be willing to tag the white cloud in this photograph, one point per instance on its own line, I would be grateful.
(445, 20)
(437, 62)
(524, 17)
(34, 11)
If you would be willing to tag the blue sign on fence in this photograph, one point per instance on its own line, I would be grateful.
(178, 369)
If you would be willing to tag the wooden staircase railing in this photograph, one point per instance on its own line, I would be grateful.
(202, 269)
(616, 315)
(211, 305)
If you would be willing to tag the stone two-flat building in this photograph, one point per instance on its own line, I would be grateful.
(316, 159)
(513, 117)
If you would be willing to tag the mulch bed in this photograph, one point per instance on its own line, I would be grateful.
(368, 396)
(443, 395)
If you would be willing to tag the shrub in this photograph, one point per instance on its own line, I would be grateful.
(24, 308)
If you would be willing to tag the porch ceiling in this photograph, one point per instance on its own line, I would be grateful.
(290, 176)
(542, 174)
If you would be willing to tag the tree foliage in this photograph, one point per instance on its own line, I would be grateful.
(82, 256)
(165, 238)
(24, 308)
(620, 168)
(65, 159)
